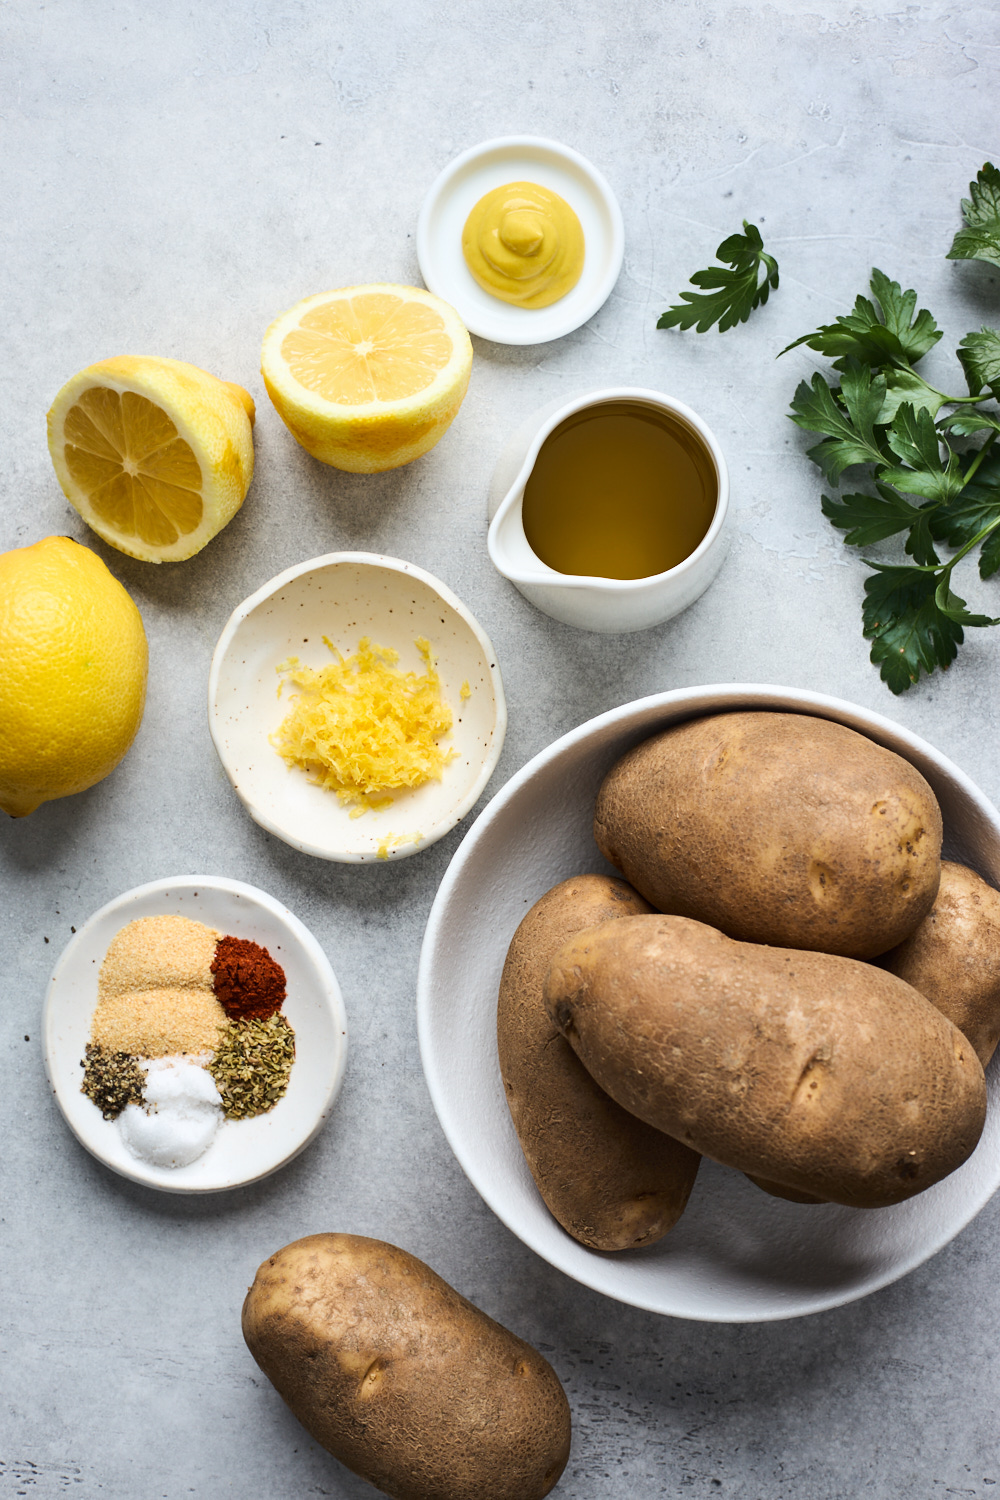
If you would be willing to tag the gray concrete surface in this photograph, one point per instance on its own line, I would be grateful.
(175, 175)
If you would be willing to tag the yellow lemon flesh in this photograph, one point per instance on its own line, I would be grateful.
(155, 454)
(369, 377)
(73, 679)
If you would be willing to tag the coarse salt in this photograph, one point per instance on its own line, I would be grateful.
(180, 1115)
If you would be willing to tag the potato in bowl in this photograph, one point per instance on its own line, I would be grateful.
(736, 1254)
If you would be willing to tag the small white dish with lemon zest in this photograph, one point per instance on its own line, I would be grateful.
(341, 599)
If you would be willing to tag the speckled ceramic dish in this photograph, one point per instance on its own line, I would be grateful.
(519, 158)
(243, 1150)
(737, 1255)
(345, 596)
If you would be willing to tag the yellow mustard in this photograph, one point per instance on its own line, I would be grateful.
(524, 244)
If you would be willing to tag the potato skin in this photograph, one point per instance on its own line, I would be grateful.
(953, 958)
(610, 1180)
(400, 1378)
(810, 1071)
(776, 828)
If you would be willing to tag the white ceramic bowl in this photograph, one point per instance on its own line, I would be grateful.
(243, 1150)
(347, 595)
(737, 1254)
(519, 158)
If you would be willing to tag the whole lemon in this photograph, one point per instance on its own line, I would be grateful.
(73, 661)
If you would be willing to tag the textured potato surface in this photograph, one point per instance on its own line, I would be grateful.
(954, 957)
(807, 1070)
(776, 828)
(612, 1181)
(400, 1378)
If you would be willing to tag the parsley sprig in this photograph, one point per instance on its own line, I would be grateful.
(734, 293)
(928, 481)
(980, 239)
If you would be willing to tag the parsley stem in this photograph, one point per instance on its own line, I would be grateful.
(984, 450)
(945, 398)
(974, 542)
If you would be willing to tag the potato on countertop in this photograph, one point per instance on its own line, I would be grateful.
(954, 957)
(776, 828)
(813, 1072)
(402, 1379)
(612, 1181)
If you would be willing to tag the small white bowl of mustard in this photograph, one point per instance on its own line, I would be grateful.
(523, 236)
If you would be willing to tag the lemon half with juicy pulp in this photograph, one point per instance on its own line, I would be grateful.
(368, 377)
(73, 684)
(155, 454)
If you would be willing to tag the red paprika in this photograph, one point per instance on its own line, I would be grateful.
(249, 984)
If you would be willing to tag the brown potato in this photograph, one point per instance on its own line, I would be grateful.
(776, 828)
(954, 957)
(610, 1180)
(791, 1195)
(400, 1378)
(810, 1071)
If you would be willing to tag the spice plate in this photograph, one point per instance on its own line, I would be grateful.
(243, 1150)
(344, 596)
(737, 1255)
(519, 158)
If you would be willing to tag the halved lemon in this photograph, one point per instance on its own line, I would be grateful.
(368, 377)
(155, 454)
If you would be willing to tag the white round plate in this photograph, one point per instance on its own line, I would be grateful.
(737, 1255)
(519, 158)
(344, 596)
(243, 1150)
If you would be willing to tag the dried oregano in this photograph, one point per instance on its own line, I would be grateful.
(252, 1064)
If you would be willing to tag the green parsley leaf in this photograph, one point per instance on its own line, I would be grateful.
(906, 385)
(914, 438)
(868, 519)
(964, 423)
(955, 608)
(876, 335)
(850, 433)
(910, 632)
(989, 556)
(980, 239)
(976, 506)
(980, 356)
(734, 293)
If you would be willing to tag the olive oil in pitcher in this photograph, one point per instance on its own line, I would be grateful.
(619, 490)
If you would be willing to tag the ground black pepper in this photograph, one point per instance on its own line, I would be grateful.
(111, 1079)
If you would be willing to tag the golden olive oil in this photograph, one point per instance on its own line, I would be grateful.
(619, 490)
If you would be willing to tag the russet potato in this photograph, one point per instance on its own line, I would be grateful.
(810, 1071)
(776, 828)
(402, 1379)
(954, 957)
(612, 1181)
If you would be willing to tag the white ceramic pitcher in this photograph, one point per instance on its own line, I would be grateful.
(604, 604)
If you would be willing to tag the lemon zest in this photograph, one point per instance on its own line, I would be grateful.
(394, 841)
(362, 727)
